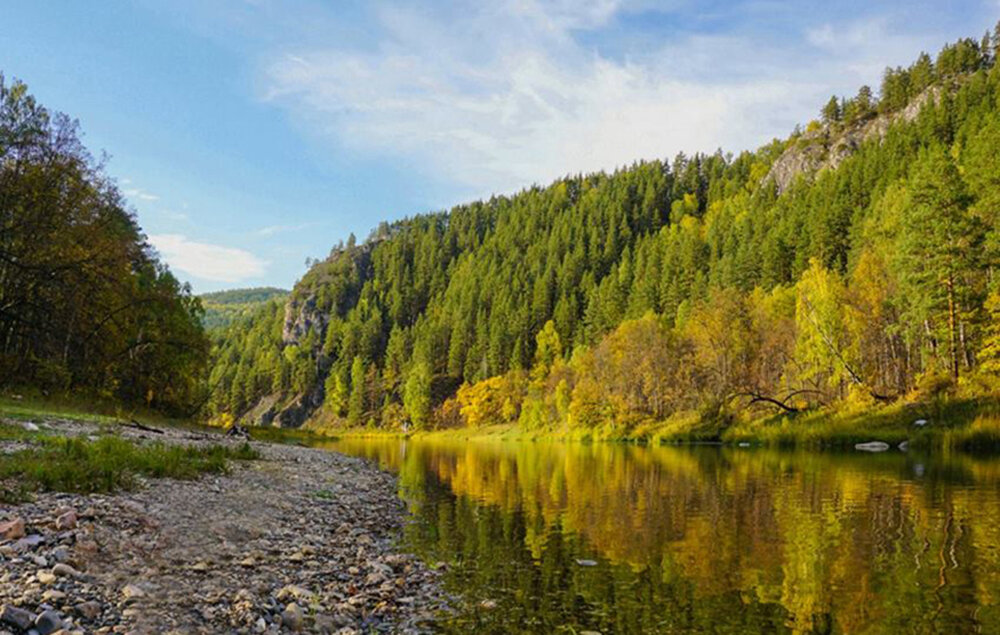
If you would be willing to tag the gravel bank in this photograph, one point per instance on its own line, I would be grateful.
(302, 540)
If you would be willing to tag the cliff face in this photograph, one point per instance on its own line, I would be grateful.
(826, 148)
(308, 312)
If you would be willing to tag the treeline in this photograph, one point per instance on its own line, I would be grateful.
(222, 308)
(689, 289)
(85, 305)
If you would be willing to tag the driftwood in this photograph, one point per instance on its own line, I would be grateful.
(139, 426)
(758, 397)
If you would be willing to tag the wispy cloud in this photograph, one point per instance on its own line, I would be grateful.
(140, 194)
(271, 230)
(496, 96)
(216, 263)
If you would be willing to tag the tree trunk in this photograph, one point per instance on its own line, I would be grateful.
(952, 338)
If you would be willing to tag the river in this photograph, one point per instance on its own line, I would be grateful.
(570, 538)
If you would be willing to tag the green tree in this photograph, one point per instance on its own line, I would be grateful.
(940, 245)
(417, 394)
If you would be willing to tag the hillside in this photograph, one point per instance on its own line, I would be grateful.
(222, 308)
(848, 264)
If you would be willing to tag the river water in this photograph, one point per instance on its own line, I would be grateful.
(569, 538)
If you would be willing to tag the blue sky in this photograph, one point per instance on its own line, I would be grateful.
(251, 134)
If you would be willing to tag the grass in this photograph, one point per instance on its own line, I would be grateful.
(31, 406)
(956, 423)
(106, 464)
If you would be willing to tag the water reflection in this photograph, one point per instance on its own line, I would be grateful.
(702, 539)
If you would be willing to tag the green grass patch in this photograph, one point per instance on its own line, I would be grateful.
(107, 464)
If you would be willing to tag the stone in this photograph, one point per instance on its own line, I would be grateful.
(13, 616)
(586, 563)
(89, 610)
(12, 529)
(64, 570)
(46, 577)
(872, 446)
(132, 592)
(292, 617)
(66, 521)
(53, 595)
(904, 446)
(48, 622)
(488, 604)
(920, 423)
(293, 592)
(28, 542)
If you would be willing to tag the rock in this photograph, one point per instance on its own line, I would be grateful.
(48, 622)
(64, 570)
(872, 446)
(132, 592)
(66, 521)
(89, 610)
(53, 595)
(30, 427)
(488, 604)
(292, 592)
(46, 577)
(904, 446)
(292, 617)
(19, 618)
(920, 423)
(28, 542)
(586, 563)
(12, 529)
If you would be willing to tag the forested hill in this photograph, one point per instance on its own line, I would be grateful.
(85, 305)
(851, 261)
(222, 308)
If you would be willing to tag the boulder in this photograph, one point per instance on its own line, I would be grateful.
(66, 521)
(18, 618)
(48, 622)
(292, 617)
(872, 446)
(12, 529)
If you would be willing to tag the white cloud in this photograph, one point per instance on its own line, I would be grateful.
(271, 230)
(140, 194)
(496, 96)
(207, 261)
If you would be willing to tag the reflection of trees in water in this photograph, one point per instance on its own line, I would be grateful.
(811, 542)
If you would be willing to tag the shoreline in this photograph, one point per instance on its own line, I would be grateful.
(964, 425)
(302, 539)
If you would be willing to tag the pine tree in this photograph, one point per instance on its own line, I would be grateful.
(940, 242)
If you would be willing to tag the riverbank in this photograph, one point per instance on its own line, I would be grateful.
(969, 424)
(295, 539)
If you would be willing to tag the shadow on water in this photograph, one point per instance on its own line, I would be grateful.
(609, 538)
